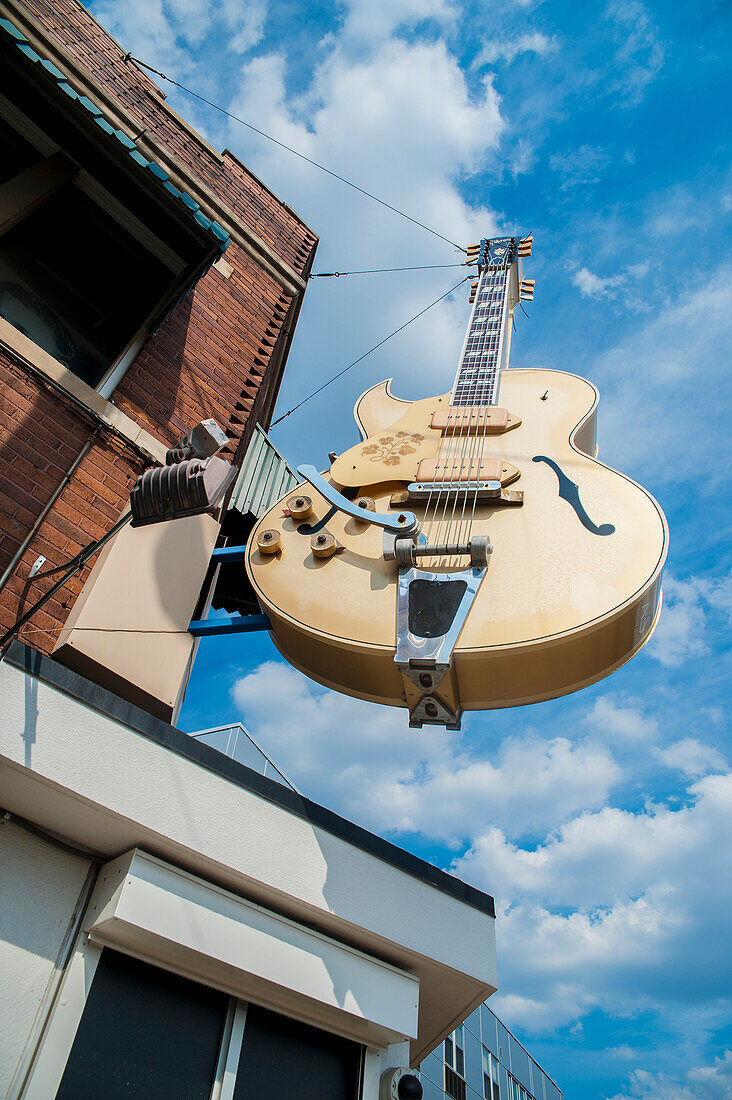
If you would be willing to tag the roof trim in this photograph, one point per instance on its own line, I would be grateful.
(51, 672)
(263, 254)
(192, 208)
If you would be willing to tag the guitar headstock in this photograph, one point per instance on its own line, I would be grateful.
(498, 252)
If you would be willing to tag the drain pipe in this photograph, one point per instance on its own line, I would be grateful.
(14, 561)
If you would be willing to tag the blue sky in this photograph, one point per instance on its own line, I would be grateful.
(601, 822)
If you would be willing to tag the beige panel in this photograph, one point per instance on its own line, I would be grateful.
(129, 628)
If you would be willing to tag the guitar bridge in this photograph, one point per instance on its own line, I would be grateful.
(431, 612)
(486, 491)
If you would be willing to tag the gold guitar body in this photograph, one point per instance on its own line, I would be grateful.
(560, 605)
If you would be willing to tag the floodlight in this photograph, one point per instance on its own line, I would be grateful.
(202, 441)
(186, 488)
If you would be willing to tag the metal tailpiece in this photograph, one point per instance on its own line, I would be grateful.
(431, 612)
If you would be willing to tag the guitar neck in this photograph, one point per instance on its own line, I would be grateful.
(488, 339)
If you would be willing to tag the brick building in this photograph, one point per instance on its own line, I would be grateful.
(146, 282)
(172, 923)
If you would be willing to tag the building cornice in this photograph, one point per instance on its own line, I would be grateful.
(180, 174)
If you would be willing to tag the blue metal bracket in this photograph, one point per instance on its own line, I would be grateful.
(228, 624)
(226, 554)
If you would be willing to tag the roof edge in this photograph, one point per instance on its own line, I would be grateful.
(56, 675)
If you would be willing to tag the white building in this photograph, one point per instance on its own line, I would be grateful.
(174, 924)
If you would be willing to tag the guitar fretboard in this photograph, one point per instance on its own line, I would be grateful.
(478, 375)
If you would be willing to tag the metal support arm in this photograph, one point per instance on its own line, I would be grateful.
(401, 523)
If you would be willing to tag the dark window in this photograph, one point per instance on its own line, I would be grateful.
(144, 1033)
(283, 1058)
(459, 1061)
(449, 1055)
(454, 1085)
(77, 283)
(17, 153)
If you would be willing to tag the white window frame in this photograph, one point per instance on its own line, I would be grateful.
(489, 1059)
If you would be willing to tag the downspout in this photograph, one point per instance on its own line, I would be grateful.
(15, 560)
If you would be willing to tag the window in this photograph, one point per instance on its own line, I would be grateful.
(455, 1050)
(516, 1091)
(144, 1030)
(91, 259)
(491, 1084)
(77, 283)
(283, 1058)
(455, 1064)
(454, 1085)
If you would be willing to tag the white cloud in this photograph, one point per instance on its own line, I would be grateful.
(699, 1083)
(164, 32)
(393, 778)
(661, 368)
(680, 631)
(366, 21)
(621, 724)
(508, 49)
(691, 757)
(640, 53)
(617, 910)
(400, 119)
(609, 286)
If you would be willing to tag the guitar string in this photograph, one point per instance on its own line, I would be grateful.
(444, 446)
(486, 383)
(494, 282)
(447, 447)
(467, 457)
(476, 404)
(461, 429)
(496, 373)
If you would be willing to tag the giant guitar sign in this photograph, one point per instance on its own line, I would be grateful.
(471, 552)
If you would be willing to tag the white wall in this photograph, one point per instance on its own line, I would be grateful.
(104, 786)
(39, 889)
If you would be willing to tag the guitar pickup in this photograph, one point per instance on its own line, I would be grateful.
(473, 420)
(488, 491)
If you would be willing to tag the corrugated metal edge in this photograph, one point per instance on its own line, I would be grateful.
(264, 477)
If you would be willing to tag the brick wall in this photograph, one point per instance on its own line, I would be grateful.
(211, 357)
(40, 436)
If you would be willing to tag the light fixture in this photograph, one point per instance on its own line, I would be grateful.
(203, 440)
(187, 485)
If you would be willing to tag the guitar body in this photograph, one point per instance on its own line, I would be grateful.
(573, 585)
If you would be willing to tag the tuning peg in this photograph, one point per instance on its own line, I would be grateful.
(527, 289)
(472, 254)
(524, 247)
(473, 290)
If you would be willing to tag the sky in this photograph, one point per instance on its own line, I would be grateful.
(601, 821)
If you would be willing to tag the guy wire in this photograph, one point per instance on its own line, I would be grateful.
(374, 348)
(309, 160)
